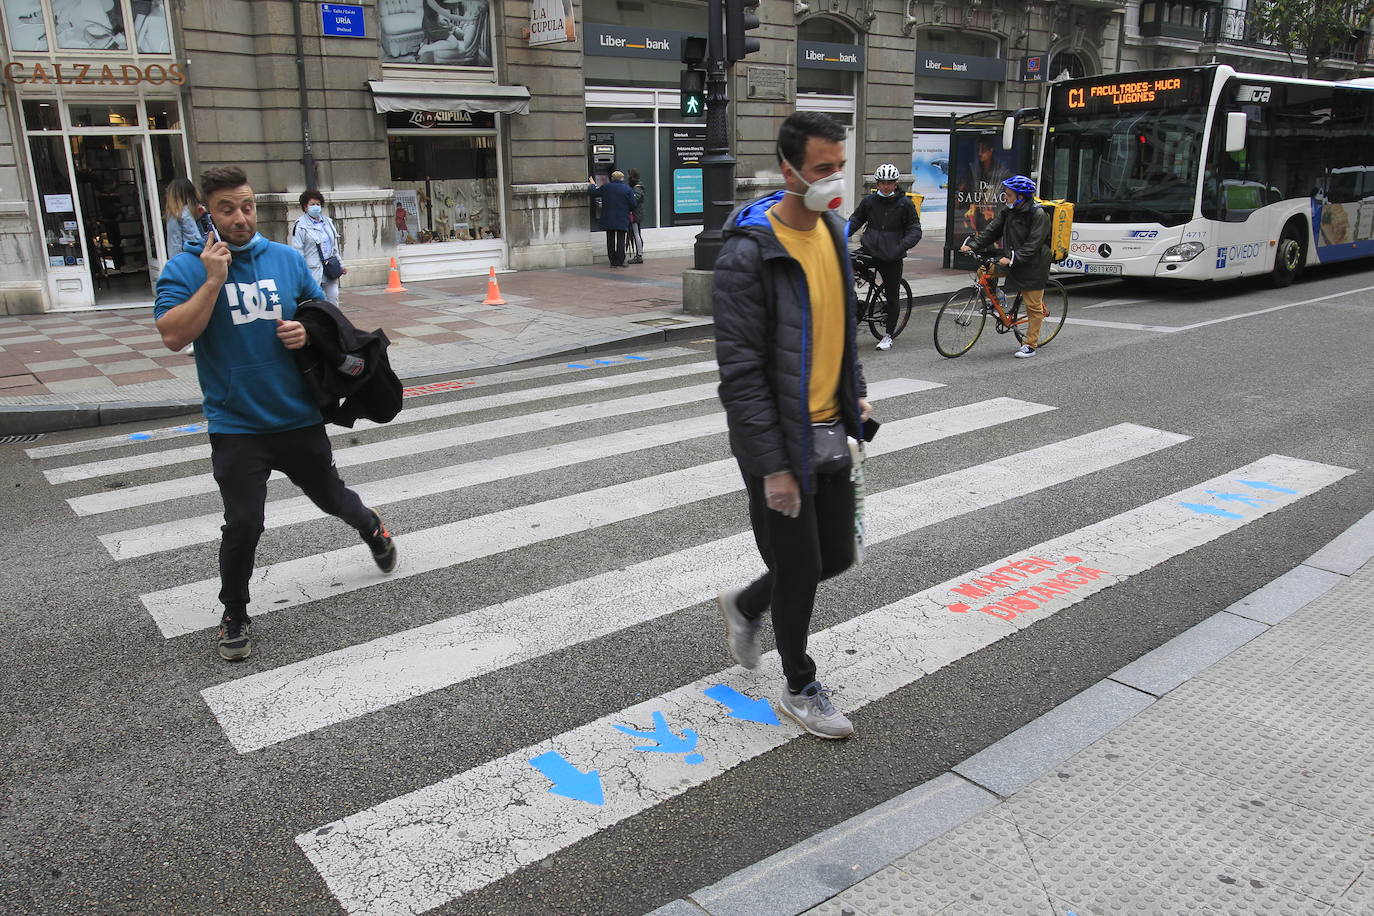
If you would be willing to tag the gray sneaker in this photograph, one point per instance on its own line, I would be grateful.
(813, 711)
(741, 633)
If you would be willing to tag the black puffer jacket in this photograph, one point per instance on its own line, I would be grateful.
(373, 393)
(893, 225)
(763, 345)
(1025, 232)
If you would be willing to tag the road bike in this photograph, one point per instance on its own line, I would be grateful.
(960, 320)
(868, 286)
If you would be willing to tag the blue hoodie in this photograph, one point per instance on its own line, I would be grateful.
(248, 378)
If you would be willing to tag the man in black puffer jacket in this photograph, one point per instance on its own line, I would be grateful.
(792, 388)
(892, 227)
(1024, 228)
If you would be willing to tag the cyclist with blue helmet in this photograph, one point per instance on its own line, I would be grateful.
(1024, 228)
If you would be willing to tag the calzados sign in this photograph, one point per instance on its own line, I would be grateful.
(80, 74)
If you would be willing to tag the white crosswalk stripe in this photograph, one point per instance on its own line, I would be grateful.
(289, 701)
(506, 377)
(143, 462)
(435, 842)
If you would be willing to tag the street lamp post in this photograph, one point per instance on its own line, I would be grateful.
(717, 165)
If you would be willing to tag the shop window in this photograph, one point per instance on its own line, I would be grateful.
(449, 33)
(624, 115)
(104, 115)
(56, 202)
(40, 115)
(446, 188)
(954, 89)
(163, 114)
(824, 81)
(88, 25)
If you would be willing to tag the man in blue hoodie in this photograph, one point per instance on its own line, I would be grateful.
(235, 296)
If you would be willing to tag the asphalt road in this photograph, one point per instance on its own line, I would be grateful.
(124, 795)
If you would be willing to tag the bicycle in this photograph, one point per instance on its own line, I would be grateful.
(960, 320)
(868, 286)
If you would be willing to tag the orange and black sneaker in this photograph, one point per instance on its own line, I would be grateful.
(235, 637)
(382, 546)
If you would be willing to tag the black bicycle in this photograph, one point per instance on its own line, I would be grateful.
(868, 286)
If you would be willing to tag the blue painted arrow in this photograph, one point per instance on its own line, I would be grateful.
(568, 780)
(1261, 485)
(636, 357)
(1257, 501)
(140, 437)
(577, 366)
(668, 741)
(742, 706)
(1210, 510)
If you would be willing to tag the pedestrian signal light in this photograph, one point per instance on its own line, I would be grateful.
(692, 91)
(741, 16)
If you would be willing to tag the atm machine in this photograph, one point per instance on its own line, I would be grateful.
(601, 163)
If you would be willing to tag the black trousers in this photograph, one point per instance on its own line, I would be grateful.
(891, 274)
(242, 463)
(615, 246)
(800, 553)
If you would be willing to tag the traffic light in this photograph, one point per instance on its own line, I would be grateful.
(741, 16)
(692, 98)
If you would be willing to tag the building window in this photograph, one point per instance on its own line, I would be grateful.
(971, 51)
(447, 187)
(450, 33)
(825, 81)
(88, 25)
(1067, 65)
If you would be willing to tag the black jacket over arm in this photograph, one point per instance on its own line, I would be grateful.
(763, 345)
(374, 394)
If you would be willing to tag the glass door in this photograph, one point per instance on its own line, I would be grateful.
(114, 209)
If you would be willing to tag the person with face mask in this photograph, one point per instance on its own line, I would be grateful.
(1024, 228)
(315, 237)
(793, 390)
(891, 228)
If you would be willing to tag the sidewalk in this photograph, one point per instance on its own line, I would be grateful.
(1230, 771)
(75, 369)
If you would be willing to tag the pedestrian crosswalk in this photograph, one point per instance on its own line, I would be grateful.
(437, 841)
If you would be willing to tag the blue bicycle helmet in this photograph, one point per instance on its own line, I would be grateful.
(1020, 184)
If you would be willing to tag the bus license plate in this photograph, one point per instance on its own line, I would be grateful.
(1113, 270)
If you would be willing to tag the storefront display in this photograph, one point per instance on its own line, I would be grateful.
(445, 177)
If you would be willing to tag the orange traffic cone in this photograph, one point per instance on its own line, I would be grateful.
(493, 290)
(393, 282)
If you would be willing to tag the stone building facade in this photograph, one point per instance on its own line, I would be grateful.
(455, 135)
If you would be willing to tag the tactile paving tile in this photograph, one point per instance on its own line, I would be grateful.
(988, 836)
(894, 892)
(1359, 897)
(1207, 882)
(941, 870)
(834, 907)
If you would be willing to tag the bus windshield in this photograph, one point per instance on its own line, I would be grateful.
(1139, 166)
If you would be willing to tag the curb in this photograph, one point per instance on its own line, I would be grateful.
(27, 420)
(801, 877)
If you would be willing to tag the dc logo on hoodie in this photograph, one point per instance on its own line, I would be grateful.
(250, 301)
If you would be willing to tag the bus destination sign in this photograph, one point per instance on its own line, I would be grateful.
(1166, 90)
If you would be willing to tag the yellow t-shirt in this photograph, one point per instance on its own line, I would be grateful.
(815, 251)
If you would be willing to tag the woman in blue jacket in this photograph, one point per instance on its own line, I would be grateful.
(180, 212)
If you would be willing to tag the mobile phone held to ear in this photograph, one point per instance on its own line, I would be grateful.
(207, 227)
(870, 429)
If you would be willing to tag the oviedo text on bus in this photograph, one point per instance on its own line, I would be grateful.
(1203, 173)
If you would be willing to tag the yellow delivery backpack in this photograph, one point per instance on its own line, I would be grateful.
(1061, 226)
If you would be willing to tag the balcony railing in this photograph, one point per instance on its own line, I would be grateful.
(1238, 27)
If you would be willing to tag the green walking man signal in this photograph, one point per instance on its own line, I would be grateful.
(693, 93)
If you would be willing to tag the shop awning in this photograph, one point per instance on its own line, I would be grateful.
(413, 95)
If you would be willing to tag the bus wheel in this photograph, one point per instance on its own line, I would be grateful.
(1289, 257)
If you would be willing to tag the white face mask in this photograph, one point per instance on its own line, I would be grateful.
(825, 194)
(885, 193)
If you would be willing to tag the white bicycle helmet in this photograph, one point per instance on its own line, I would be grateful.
(887, 172)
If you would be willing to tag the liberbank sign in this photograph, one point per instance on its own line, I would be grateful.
(960, 66)
(619, 41)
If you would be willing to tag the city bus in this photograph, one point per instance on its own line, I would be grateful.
(1203, 173)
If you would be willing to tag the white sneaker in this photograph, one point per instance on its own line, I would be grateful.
(885, 343)
(741, 633)
(1025, 352)
(813, 711)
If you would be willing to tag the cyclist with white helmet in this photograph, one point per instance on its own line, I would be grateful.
(891, 229)
(1024, 228)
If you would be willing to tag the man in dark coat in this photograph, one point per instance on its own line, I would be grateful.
(892, 227)
(1024, 228)
(617, 202)
(792, 388)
